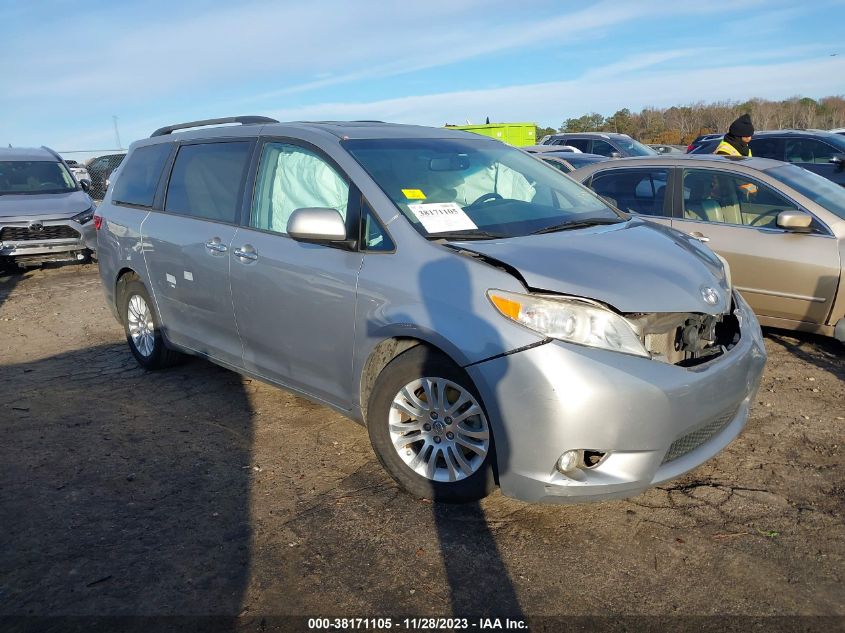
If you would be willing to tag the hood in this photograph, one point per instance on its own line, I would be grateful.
(18, 207)
(633, 266)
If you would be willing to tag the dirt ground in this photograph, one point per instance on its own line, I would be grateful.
(196, 491)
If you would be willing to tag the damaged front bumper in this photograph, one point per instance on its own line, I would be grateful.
(647, 420)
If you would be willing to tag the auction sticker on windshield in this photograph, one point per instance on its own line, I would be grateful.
(442, 217)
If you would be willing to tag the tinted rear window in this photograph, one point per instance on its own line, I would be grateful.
(139, 177)
(206, 180)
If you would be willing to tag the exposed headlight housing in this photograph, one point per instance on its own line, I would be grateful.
(85, 216)
(572, 320)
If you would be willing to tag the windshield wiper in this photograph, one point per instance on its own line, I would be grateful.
(472, 234)
(577, 224)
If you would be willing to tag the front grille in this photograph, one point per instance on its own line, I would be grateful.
(23, 234)
(699, 436)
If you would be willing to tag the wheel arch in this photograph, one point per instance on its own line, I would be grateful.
(124, 276)
(386, 351)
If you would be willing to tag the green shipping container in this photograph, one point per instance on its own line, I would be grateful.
(517, 134)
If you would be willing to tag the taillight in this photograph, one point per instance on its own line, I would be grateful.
(689, 148)
(98, 222)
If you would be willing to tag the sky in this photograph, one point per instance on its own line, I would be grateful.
(67, 68)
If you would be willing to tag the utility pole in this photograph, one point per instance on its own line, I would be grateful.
(116, 132)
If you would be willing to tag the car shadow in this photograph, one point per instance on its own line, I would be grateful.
(471, 558)
(132, 497)
(824, 352)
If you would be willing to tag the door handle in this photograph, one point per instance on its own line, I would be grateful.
(246, 252)
(216, 246)
(701, 237)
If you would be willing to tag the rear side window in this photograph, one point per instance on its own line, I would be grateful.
(578, 143)
(633, 190)
(139, 177)
(767, 147)
(207, 179)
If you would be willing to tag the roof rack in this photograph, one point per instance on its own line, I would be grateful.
(243, 120)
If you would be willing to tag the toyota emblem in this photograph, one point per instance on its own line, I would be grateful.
(36, 226)
(710, 295)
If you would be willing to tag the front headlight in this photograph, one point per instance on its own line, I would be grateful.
(84, 217)
(568, 319)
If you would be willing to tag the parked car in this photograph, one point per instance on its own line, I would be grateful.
(713, 139)
(602, 143)
(781, 227)
(816, 150)
(662, 148)
(44, 213)
(820, 152)
(483, 315)
(79, 171)
(101, 169)
(565, 161)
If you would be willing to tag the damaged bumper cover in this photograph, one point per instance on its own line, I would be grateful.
(650, 421)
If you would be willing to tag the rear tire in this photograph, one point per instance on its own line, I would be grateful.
(143, 328)
(429, 429)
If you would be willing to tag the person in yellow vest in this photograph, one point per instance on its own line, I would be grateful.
(735, 142)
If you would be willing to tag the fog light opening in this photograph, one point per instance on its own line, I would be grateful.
(582, 459)
(591, 459)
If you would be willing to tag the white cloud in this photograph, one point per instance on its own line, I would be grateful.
(291, 47)
(552, 102)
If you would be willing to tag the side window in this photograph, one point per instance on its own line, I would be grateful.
(374, 237)
(139, 177)
(579, 143)
(714, 196)
(602, 148)
(767, 147)
(206, 181)
(290, 178)
(808, 150)
(640, 191)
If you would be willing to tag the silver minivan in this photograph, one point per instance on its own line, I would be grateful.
(489, 320)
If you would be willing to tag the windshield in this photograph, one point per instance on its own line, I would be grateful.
(634, 148)
(34, 176)
(475, 188)
(817, 188)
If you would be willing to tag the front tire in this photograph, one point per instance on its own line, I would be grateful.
(143, 329)
(429, 430)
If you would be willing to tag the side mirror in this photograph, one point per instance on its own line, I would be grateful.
(839, 161)
(794, 220)
(615, 155)
(316, 224)
(85, 185)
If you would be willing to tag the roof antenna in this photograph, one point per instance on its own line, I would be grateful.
(116, 132)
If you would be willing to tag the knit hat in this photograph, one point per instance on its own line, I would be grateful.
(742, 127)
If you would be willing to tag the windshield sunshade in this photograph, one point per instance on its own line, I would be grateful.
(483, 189)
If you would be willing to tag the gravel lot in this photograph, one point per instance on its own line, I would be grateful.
(197, 491)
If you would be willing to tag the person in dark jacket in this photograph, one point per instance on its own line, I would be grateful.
(735, 142)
